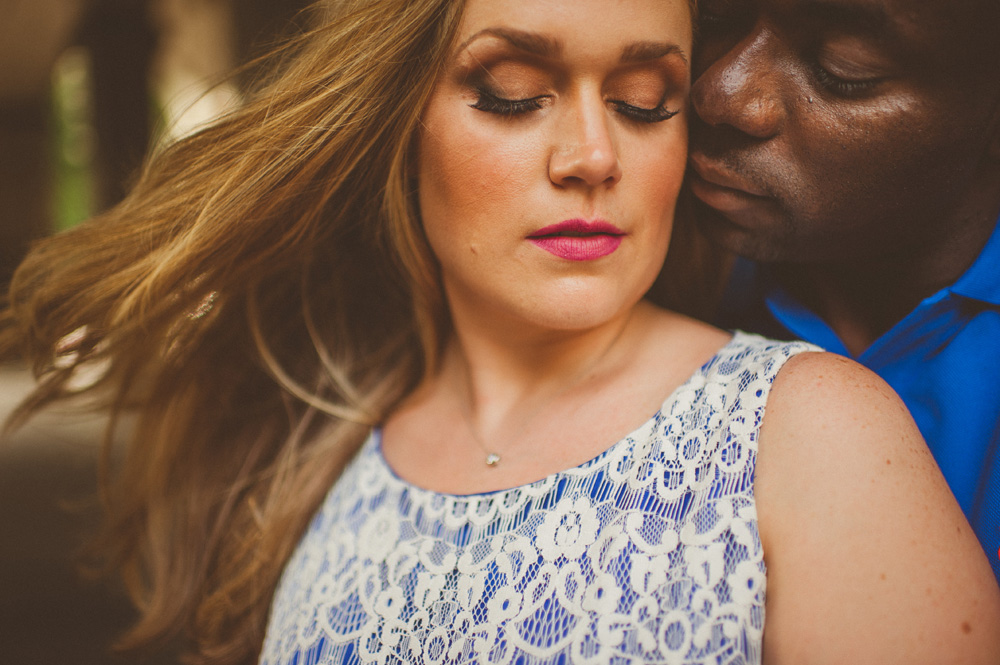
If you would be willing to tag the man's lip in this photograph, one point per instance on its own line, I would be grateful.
(714, 174)
(578, 226)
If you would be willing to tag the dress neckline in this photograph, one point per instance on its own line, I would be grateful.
(374, 441)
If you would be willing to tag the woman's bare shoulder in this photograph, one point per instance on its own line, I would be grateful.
(836, 380)
(869, 556)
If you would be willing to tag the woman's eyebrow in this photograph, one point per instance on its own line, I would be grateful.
(644, 51)
(545, 47)
(529, 42)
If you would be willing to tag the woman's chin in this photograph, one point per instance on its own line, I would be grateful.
(581, 316)
(557, 313)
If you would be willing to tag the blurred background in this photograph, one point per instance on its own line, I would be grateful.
(86, 87)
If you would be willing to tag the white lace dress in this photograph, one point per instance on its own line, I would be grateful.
(648, 553)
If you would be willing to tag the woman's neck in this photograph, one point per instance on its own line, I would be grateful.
(539, 403)
(501, 373)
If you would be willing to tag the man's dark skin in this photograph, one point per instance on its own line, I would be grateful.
(852, 145)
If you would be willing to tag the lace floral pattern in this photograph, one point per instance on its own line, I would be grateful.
(648, 553)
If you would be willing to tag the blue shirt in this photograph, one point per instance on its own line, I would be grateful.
(943, 359)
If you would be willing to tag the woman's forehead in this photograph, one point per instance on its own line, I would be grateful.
(579, 23)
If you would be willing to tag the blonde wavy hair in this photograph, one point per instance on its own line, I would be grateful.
(262, 298)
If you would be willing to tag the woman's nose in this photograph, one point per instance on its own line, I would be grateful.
(585, 152)
(743, 87)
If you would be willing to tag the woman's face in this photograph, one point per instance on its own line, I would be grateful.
(550, 157)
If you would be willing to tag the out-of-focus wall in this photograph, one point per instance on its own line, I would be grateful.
(148, 60)
(198, 48)
(32, 35)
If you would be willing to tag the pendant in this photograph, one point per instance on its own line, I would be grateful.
(492, 459)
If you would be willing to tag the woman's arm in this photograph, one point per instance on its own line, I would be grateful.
(869, 557)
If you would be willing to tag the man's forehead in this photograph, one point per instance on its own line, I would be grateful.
(916, 20)
(882, 10)
(871, 12)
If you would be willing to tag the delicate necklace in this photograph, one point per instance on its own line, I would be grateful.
(492, 454)
(492, 457)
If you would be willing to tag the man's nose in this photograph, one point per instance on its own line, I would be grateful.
(742, 88)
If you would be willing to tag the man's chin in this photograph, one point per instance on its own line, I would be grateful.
(761, 240)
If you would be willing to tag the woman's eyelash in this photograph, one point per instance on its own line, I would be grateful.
(492, 103)
(640, 114)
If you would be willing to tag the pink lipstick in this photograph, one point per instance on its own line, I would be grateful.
(578, 240)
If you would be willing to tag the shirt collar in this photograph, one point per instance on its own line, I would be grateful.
(802, 322)
(982, 280)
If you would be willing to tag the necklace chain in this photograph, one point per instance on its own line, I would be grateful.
(493, 456)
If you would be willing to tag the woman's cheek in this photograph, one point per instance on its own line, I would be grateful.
(658, 172)
(478, 169)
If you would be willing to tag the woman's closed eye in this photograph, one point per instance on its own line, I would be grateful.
(491, 102)
(641, 114)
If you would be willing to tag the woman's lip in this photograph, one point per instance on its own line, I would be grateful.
(718, 177)
(578, 239)
(578, 226)
(578, 248)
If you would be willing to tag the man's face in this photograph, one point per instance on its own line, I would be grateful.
(835, 130)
